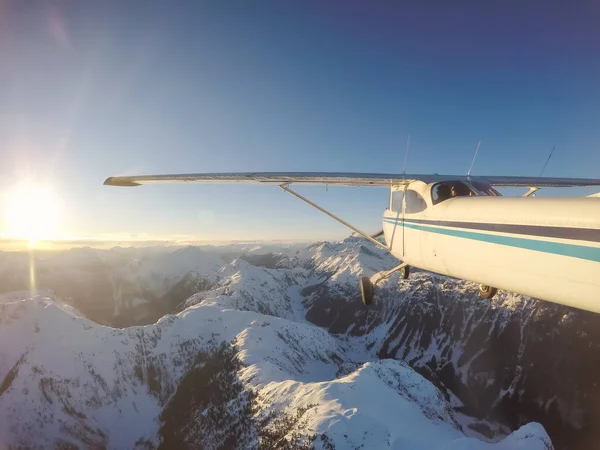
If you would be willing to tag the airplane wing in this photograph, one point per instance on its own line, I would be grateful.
(343, 179)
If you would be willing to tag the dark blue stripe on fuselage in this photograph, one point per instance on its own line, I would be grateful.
(579, 234)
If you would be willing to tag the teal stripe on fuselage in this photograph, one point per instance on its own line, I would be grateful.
(557, 248)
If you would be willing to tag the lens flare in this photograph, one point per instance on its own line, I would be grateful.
(32, 283)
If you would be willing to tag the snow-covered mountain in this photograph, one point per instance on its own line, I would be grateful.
(71, 383)
(304, 362)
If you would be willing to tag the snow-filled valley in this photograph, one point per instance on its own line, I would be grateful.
(270, 347)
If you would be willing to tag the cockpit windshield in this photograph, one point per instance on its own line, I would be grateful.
(485, 189)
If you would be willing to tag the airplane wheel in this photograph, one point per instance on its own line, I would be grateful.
(487, 291)
(367, 291)
(405, 272)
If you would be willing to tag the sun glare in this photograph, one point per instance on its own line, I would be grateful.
(30, 212)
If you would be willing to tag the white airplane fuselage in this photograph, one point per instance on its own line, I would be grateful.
(547, 248)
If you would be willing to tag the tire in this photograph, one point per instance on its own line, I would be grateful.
(487, 291)
(367, 291)
(405, 272)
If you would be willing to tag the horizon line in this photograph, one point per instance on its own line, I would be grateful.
(12, 244)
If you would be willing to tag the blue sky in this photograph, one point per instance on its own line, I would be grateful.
(94, 89)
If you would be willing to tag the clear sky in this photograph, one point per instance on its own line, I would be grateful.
(94, 89)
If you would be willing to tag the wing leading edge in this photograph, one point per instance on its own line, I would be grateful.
(343, 179)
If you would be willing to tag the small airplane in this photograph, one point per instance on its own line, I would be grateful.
(461, 226)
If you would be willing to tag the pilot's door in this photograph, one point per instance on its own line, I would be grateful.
(397, 208)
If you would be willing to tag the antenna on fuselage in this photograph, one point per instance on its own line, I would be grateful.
(474, 156)
(532, 190)
(548, 160)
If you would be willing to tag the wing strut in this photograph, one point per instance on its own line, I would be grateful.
(531, 191)
(333, 216)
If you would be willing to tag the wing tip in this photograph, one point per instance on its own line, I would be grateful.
(120, 181)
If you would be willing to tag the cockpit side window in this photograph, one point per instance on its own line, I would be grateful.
(397, 197)
(414, 203)
(448, 189)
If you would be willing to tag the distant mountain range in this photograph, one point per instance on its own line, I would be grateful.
(252, 346)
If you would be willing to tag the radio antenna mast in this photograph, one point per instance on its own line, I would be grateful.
(474, 156)
(548, 160)
(406, 155)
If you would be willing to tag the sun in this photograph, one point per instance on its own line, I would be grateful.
(30, 212)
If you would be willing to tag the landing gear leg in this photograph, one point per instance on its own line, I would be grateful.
(367, 285)
(487, 291)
